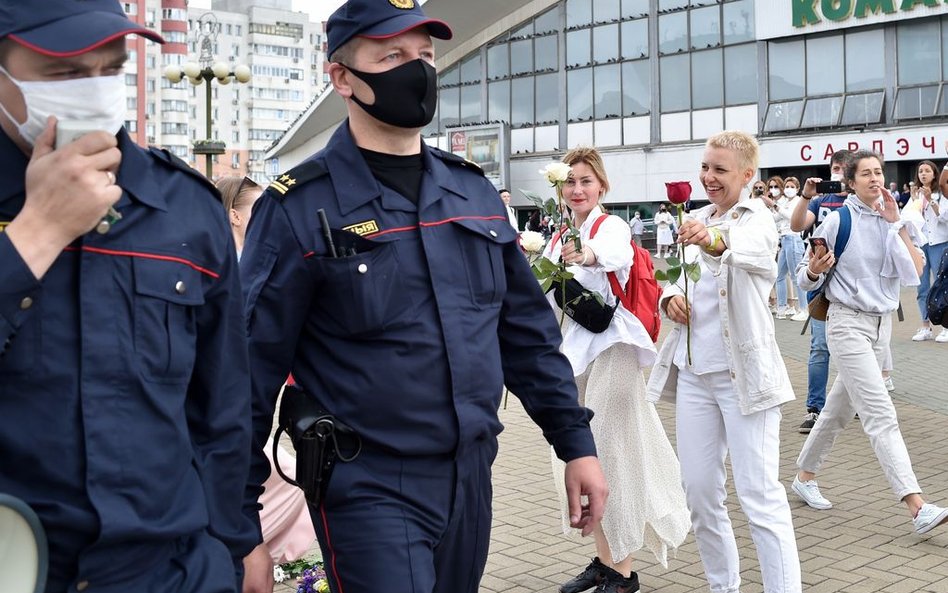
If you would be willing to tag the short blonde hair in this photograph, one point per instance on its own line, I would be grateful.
(742, 143)
(591, 157)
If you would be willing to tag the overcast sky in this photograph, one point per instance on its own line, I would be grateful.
(319, 10)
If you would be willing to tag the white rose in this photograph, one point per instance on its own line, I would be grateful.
(531, 241)
(556, 172)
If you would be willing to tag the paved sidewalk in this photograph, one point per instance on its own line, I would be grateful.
(865, 544)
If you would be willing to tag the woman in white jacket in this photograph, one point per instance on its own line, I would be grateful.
(646, 505)
(863, 292)
(728, 395)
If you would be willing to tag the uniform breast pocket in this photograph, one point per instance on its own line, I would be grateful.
(165, 330)
(362, 294)
(481, 246)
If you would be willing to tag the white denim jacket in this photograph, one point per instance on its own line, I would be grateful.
(744, 273)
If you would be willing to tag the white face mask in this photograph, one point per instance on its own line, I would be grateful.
(790, 192)
(97, 101)
(774, 192)
(836, 177)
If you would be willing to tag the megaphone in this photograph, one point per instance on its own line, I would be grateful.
(23, 550)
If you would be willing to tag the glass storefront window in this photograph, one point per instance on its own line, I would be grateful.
(636, 87)
(521, 95)
(914, 103)
(605, 43)
(672, 4)
(579, 94)
(548, 22)
(546, 55)
(578, 48)
(919, 51)
(471, 104)
(548, 99)
(578, 13)
(523, 32)
(449, 107)
(822, 112)
(634, 36)
(786, 68)
(498, 101)
(449, 76)
(471, 68)
(705, 27)
(633, 9)
(707, 76)
(740, 74)
(824, 65)
(738, 22)
(862, 109)
(783, 116)
(521, 57)
(608, 96)
(606, 11)
(672, 33)
(865, 60)
(497, 66)
(674, 87)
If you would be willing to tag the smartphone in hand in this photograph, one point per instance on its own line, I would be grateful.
(818, 246)
(829, 187)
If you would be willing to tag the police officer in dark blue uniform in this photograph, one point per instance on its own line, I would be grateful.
(124, 392)
(403, 317)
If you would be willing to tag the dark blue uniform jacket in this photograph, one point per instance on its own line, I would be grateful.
(411, 340)
(124, 399)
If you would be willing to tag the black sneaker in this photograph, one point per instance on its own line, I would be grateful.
(808, 421)
(591, 576)
(616, 583)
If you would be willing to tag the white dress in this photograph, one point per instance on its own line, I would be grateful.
(646, 506)
(663, 222)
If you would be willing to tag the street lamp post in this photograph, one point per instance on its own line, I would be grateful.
(207, 70)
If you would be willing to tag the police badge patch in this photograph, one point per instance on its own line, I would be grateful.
(405, 4)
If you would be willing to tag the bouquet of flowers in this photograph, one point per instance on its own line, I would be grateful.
(546, 271)
(678, 193)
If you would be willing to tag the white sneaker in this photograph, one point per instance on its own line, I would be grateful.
(810, 493)
(943, 336)
(800, 316)
(784, 313)
(923, 334)
(929, 517)
(889, 385)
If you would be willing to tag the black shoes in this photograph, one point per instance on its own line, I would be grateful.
(591, 576)
(603, 578)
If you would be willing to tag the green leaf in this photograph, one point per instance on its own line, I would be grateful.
(661, 276)
(566, 275)
(533, 197)
(549, 208)
(674, 274)
(546, 285)
(673, 262)
(694, 272)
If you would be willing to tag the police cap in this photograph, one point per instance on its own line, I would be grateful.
(379, 19)
(63, 28)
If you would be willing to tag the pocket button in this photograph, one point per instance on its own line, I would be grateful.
(363, 268)
(179, 287)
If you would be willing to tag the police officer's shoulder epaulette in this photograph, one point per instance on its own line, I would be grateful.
(453, 159)
(167, 157)
(295, 177)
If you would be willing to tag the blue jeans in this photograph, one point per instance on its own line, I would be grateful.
(818, 367)
(933, 255)
(791, 252)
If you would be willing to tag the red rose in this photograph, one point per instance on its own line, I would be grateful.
(678, 192)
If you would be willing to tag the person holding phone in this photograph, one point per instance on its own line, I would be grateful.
(933, 209)
(125, 406)
(863, 292)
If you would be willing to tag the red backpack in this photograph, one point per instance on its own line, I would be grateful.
(641, 293)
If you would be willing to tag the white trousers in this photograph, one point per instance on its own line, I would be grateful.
(709, 426)
(859, 342)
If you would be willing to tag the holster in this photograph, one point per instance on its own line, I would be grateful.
(319, 440)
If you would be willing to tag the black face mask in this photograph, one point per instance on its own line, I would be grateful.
(405, 97)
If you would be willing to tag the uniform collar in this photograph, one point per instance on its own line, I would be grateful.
(138, 175)
(13, 170)
(355, 186)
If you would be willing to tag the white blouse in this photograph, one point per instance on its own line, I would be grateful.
(613, 249)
